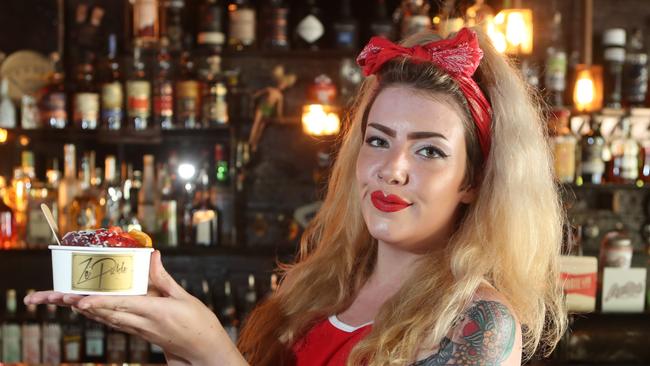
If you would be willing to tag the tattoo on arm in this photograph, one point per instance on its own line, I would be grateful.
(486, 338)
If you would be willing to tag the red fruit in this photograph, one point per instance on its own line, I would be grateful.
(115, 229)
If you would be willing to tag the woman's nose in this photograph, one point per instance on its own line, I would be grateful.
(395, 170)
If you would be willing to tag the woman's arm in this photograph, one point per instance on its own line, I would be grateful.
(487, 334)
(168, 316)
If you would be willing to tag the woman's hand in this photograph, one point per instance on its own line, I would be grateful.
(168, 316)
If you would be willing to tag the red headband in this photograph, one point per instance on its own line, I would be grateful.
(459, 57)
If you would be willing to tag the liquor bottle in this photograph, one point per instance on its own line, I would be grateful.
(381, 24)
(172, 24)
(187, 94)
(72, 337)
(138, 92)
(206, 295)
(111, 193)
(624, 165)
(8, 232)
(52, 103)
(112, 89)
(138, 350)
(346, 28)
(7, 108)
(145, 22)
(214, 95)
(11, 332)
(614, 44)
(222, 197)
(38, 230)
(276, 25)
(635, 71)
(18, 196)
(163, 89)
(31, 332)
(309, 31)
(250, 297)
(592, 166)
(94, 337)
(128, 207)
(68, 189)
(86, 96)
(564, 147)
(52, 337)
(210, 38)
(167, 211)
(413, 16)
(116, 346)
(228, 313)
(241, 21)
(147, 197)
(205, 217)
(29, 118)
(556, 64)
(86, 209)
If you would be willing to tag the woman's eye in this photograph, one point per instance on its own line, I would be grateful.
(431, 152)
(376, 141)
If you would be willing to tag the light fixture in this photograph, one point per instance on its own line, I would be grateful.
(186, 171)
(512, 31)
(320, 120)
(588, 89)
(23, 140)
(3, 135)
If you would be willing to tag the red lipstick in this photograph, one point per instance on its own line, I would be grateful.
(390, 203)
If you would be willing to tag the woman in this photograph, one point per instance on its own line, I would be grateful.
(437, 242)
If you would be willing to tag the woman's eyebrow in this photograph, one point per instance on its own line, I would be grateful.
(411, 136)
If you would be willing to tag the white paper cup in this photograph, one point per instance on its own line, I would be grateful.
(100, 271)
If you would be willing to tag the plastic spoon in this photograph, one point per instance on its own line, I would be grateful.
(50, 221)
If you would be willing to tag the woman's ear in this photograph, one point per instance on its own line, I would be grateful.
(468, 195)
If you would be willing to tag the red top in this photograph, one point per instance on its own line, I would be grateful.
(328, 343)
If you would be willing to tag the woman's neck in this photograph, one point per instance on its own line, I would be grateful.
(394, 266)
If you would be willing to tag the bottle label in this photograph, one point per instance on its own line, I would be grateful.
(86, 107)
(564, 151)
(11, 343)
(167, 223)
(187, 93)
(203, 222)
(629, 166)
(95, 343)
(51, 344)
(216, 107)
(242, 26)
(145, 18)
(102, 272)
(38, 230)
(112, 96)
(636, 79)
(592, 160)
(72, 348)
(116, 347)
(31, 343)
(345, 34)
(53, 109)
(310, 29)
(279, 25)
(556, 66)
(138, 95)
(147, 217)
(163, 101)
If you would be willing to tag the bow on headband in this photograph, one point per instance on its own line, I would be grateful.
(458, 56)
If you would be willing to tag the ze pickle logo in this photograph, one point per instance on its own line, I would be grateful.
(102, 272)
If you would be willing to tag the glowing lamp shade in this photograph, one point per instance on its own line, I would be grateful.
(588, 89)
(320, 120)
(512, 32)
(3, 135)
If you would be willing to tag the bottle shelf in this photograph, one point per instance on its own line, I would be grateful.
(323, 54)
(608, 187)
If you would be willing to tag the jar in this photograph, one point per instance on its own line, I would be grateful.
(619, 252)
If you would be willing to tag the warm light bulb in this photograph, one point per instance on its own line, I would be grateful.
(584, 91)
(515, 29)
(319, 120)
(3, 135)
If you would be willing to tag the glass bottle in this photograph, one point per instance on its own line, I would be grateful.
(52, 103)
(52, 337)
(592, 166)
(210, 37)
(187, 94)
(68, 190)
(145, 22)
(29, 118)
(7, 108)
(564, 145)
(11, 331)
(8, 232)
(111, 194)
(116, 346)
(138, 92)
(381, 24)
(228, 312)
(346, 28)
(241, 21)
(128, 207)
(167, 211)
(72, 337)
(147, 197)
(625, 155)
(163, 89)
(214, 95)
(205, 217)
(172, 24)
(31, 334)
(309, 30)
(614, 43)
(86, 96)
(276, 25)
(86, 210)
(112, 89)
(556, 64)
(94, 337)
(38, 230)
(635, 71)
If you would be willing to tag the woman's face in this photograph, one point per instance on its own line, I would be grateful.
(410, 169)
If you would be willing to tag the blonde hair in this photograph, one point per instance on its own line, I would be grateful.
(510, 236)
